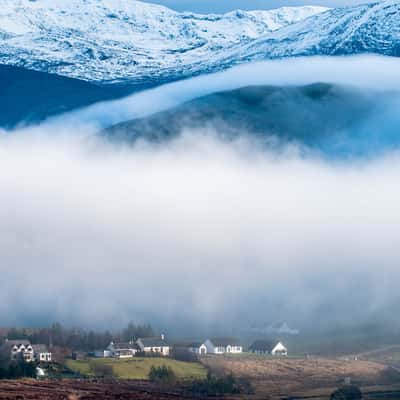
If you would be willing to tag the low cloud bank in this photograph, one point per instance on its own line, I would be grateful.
(198, 234)
(362, 72)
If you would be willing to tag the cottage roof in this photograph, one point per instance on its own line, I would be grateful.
(223, 342)
(17, 342)
(124, 352)
(40, 348)
(263, 345)
(118, 346)
(154, 342)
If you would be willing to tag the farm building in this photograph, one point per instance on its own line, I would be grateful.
(41, 353)
(121, 350)
(154, 345)
(17, 350)
(23, 350)
(274, 348)
(223, 346)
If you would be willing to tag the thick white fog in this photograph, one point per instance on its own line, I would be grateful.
(209, 234)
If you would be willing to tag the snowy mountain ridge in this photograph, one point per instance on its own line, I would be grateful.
(121, 40)
(107, 40)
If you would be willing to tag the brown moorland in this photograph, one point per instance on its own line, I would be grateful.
(284, 377)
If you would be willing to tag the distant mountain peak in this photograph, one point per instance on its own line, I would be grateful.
(120, 40)
(109, 40)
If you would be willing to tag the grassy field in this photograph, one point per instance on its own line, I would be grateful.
(138, 367)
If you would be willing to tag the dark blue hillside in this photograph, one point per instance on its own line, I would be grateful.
(28, 96)
(334, 120)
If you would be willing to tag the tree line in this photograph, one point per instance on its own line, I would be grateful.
(78, 338)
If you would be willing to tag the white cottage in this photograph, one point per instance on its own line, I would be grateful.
(154, 345)
(273, 348)
(17, 350)
(120, 350)
(223, 346)
(23, 350)
(42, 353)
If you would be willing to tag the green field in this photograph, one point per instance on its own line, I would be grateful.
(139, 367)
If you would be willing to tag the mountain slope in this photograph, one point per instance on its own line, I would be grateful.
(120, 40)
(108, 40)
(30, 96)
(332, 119)
(371, 28)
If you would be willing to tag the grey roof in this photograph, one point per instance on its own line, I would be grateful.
(40, 348)
(263, 345)
(123, 352)
(154, 342)
(223, 342)
(118, 346)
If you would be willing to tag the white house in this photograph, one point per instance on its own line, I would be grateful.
(274, 348)
(41, 353)
(23, 350)
(121, 349)
(198, 348)
(154, 345)
(223, 346)
(17, 350)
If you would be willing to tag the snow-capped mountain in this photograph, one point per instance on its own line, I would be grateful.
(108, 40)
(121, 40)
(368, 28)
(371, 28)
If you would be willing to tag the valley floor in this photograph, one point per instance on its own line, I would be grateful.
(272, 378)
(139, 367)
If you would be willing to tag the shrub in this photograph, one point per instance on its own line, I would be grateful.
(18, 370)
(182, 354)
(350, 392)
(102, 370)
(162, 374)
(216, 386)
